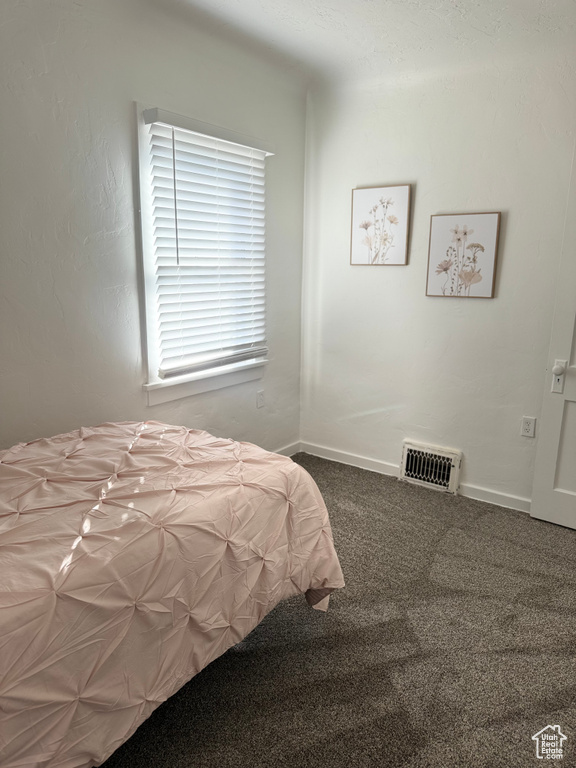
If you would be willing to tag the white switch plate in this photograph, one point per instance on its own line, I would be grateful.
(260, 398)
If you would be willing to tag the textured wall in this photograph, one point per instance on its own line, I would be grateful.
(381, 361)
(69, 313)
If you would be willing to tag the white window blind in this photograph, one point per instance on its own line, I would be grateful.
(208, 228)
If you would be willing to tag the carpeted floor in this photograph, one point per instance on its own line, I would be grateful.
(453, 643)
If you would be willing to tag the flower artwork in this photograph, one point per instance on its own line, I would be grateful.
(380, 217)
(462, 255)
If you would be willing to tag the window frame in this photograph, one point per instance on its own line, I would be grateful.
(160, 390)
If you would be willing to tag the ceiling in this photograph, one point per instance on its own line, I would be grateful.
(353, 39)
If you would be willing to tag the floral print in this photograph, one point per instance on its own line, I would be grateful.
(379, 236)
(461, 263)
(462, 254)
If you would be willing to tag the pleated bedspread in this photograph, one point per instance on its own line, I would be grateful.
(132, 555)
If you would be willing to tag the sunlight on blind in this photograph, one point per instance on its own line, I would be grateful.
(209, 259)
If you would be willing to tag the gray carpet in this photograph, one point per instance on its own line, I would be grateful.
(452, 644)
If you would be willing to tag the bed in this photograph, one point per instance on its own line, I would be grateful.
(132, 555)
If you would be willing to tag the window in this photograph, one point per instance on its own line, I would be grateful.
(203, 217)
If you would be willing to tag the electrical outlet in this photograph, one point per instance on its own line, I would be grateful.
(528, 426)
(260, 399)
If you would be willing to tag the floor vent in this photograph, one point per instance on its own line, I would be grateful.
(431, 466)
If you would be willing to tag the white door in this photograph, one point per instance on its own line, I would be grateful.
(554, 489)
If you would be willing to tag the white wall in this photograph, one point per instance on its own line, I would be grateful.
(69, 316)
(381, 361)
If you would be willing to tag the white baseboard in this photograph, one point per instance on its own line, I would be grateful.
(384, 468)
(363, 462)
(494, 497)
(289, 450)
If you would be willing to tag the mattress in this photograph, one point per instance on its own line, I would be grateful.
(132, 555)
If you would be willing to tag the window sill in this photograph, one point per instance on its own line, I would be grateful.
(164, 391)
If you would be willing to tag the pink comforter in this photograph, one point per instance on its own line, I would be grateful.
(132, 555)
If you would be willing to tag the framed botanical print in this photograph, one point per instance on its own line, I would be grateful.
(380, 221)
(462, 255)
